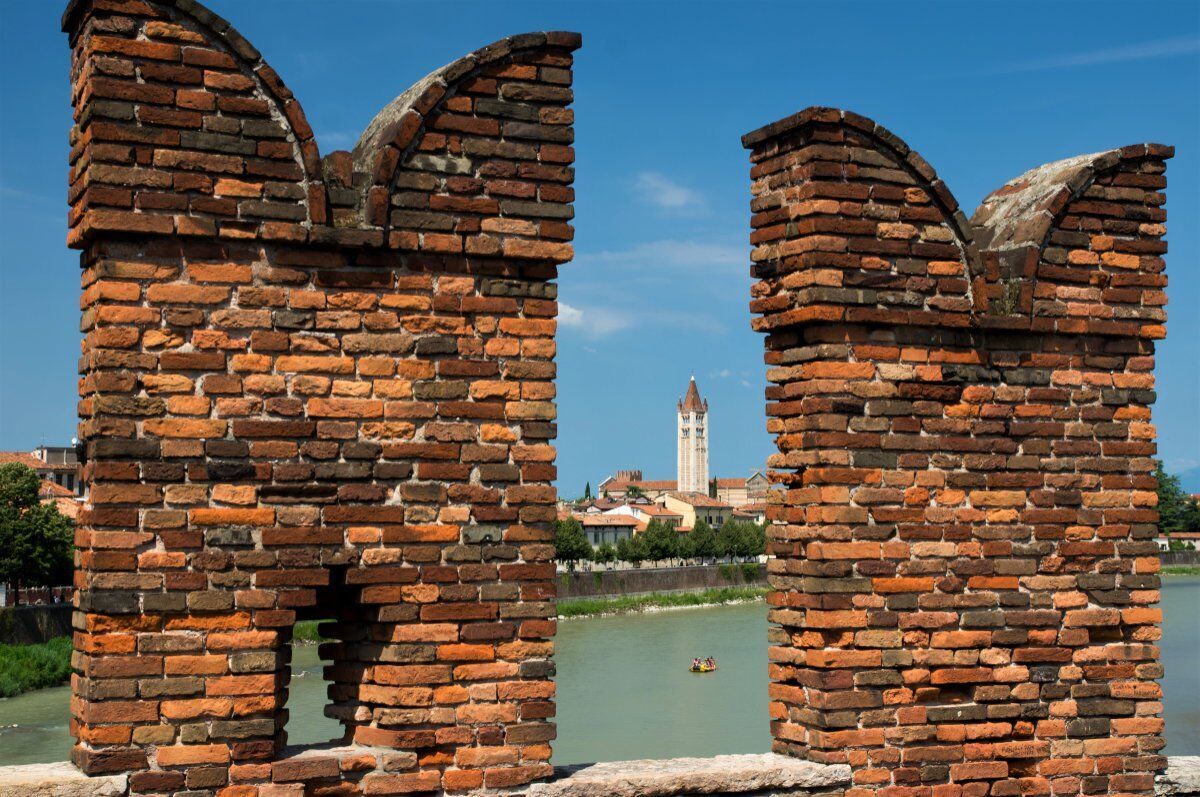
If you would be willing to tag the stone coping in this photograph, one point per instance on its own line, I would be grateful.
(723, 774)
(60, 779)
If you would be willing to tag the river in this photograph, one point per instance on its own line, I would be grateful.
(624, 692)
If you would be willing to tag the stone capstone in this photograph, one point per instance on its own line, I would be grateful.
(60, 779)
(724, 774)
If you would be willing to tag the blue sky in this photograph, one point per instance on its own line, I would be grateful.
(659, 286)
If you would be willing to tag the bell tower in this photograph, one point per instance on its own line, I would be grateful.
(692, 468)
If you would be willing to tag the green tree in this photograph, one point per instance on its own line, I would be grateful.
(570, 542)
(605, 554)
(729, 539)
(662, 542)
(704, 541)
(687, 546)
(587, 491)
(633, 550)
(633, 491)
(36, 541)
(758, 539)
(1177, 511)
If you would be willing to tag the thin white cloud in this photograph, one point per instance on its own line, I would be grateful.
(17, 193)
(333, 139)
(662, 192)
(593, 322)
(1142, 51)
(675, 254)
(724, 373)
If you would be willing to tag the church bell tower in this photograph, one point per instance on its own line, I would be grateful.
(692, 470)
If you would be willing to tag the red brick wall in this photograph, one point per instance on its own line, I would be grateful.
(314, 387)
(963, 560)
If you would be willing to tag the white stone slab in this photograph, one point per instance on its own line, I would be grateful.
(723, 774)
(60, 779)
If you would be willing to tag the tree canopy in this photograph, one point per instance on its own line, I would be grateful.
(36, 540)
(1177, 511)
(703, 541)
(570, 543)
(633, 549)
(662, 541)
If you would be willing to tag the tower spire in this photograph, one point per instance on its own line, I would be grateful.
(692, 401)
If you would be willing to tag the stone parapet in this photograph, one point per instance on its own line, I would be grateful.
(754, 775)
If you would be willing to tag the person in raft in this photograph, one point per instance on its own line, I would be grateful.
(696, 664)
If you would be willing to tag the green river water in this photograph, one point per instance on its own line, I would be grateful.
(624, 690)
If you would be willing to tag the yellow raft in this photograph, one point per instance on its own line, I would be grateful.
(704, 668)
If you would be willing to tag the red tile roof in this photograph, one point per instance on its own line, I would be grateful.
(608, 521)
(731, 484)
(700, 499)
(621, 485)
(48, 489)
(23, 458)
(68, 507)
(656, 510)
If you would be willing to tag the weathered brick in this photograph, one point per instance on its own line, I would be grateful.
(960, 581)
(305, 409)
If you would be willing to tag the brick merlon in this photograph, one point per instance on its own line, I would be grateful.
(1012, 222)
(399, 122)
(1021, 212)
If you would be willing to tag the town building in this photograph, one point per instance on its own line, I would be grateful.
(610, 528)
(630, 484)
(56, 464)
(646, 511)
(755, 513)
(692, 506)
(741, 492)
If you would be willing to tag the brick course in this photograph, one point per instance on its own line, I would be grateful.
(963, 559)
(314, 387)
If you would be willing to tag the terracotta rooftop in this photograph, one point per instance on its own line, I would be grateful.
(732, 484)
(644, 484)
(700, 499)
(608, 521)
(67, 507)
(23, 458)
(657, 510)
(48, 489)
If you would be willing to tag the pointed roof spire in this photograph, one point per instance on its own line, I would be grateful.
(691, 401)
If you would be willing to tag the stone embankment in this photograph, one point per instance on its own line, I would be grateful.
(31, 625)
(756, 775)
(644, 581)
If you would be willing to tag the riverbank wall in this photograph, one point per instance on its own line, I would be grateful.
(754, 775)
(31, 625)
(645, 581)
(1177, 558)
